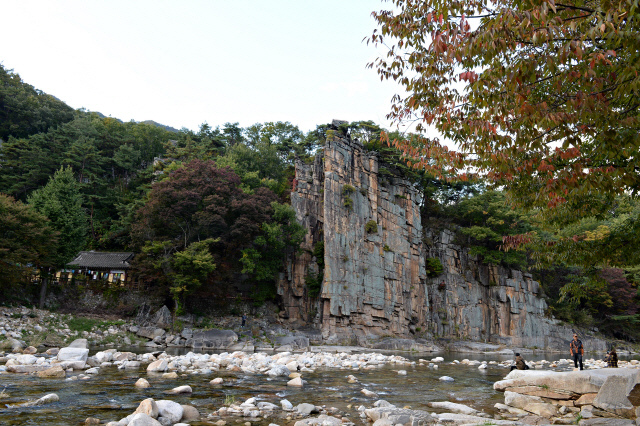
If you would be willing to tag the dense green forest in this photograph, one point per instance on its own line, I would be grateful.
(199, 207)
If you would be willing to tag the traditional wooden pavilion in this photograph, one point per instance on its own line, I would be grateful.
(96, 265)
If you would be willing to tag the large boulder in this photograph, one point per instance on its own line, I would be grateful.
(306, 409)
(577, 382)
(158, 366)
(543, 392)
(26, 359)
(520, 401)
(212, 339)
(297, 382)
(148, 407)
(190, 413)
(79, 343)
(402, 416)
(586, 399)
(26, 368)
(170, 410)
(603, 421)
(322, 420)
(142, 419)
(465, 419)
(55, 372)
(142, 383)
(296, 342)
(47, 399)
(542, 409)
(142, 318)
(179, 390)
(71, 353)
(279, 370)
(150, 332)
(30, 350)
(451, 407)
(162, 318)
(612, 396)
(16, 345)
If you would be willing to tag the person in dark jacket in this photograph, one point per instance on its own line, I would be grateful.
(577, 351)
(520, 364)
(612, 361)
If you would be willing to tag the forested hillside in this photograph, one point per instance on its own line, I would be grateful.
(202, 207)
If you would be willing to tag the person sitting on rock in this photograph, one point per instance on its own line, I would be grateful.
(520, 364)
(577, 351)
(612, 360)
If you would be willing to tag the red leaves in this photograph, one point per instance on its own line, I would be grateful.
(469, 76)
(514, 242)
(544, 167)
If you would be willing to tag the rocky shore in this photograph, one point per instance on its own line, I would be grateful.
(22, 327)
(549, 393)
(596, 396)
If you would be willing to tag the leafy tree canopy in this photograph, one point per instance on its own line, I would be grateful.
(26, 239)
(484, 219)
(540, 97)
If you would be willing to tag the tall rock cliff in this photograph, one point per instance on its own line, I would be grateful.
(361, 275)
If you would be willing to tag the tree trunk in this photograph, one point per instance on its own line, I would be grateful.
(43, 292)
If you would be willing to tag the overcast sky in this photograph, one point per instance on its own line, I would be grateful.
(182, 63)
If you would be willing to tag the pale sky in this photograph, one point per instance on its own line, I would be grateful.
(182, 63)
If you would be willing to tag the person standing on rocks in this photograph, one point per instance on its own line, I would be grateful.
(520, 364)
(244, 320)
(577, 350)
(612, 361)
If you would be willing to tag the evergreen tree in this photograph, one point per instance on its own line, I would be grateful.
(60, 200)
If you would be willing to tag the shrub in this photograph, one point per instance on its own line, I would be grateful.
(347, 189)
(348, 203)
(434, 267)
(371, 227)
(82, 324)
(318, 252)
(386, 248)
(314, 284)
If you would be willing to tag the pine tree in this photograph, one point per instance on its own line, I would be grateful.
(60, 200)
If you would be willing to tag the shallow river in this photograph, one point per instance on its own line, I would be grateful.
(111, 395)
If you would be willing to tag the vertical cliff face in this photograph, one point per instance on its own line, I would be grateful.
(369, 281)
(374, 266)
(472, 300)
(373, 281)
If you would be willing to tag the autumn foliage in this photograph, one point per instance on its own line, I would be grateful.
(538, 96)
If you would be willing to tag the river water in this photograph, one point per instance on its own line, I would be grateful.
(111, 395)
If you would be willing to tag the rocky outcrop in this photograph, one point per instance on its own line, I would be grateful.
(361, 273)
(373, 280)
(610, 392)
(472, 300)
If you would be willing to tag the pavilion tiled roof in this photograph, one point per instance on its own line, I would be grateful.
(101, 260)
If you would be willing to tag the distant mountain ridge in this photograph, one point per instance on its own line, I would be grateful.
(153, 123)
(164, 126)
